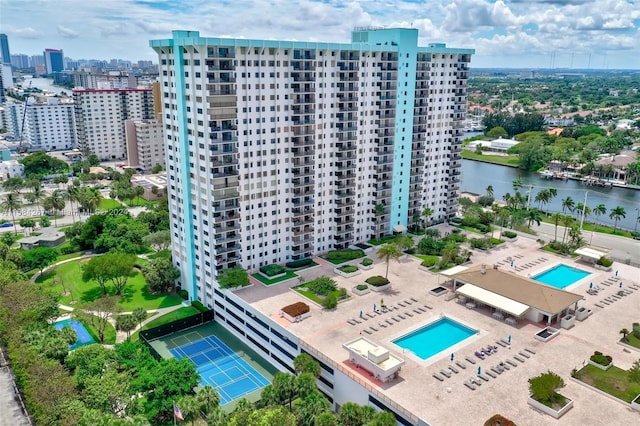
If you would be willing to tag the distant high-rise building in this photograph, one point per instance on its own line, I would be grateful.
(20, 61)
(10, 118)
(54, 60)
(145, 143)
(100, 117)
(50, 125)
(4, 49)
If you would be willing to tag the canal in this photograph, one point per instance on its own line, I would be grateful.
(476, 176)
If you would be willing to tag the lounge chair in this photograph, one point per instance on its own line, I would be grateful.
(511, 363)
(408, 302)
(417, 311)
(351, 322)
(517, 358)
(599, 306)
(428, 306)
(490, 374)
(505, 366)
(402, 304)
(479, 355)
(475, 381)
(395, 319)
(452, 368)
(401, 316)
(445, 373)
(500, 369)
(483, 377)
(437, 376)
(383, 325)
(461, 365)
(470, 360)
(469, 385)
(388, 321)
(524, 354)
(408, 313)
(501, 344)
(366, 331)
(414, 299)
(531, 351)
(505, 342)
(373, 328)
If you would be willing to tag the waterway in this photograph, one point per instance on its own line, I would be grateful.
(44, 84)
(477, 176)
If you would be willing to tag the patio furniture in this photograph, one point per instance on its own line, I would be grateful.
(495, 370)
(445, 373)
(524, 354)
(490, 374)
(461, 365)
(511, 363)
(469, 385)
(437, 376)
(452, 368)
(428, 306)
(408, 313)
(470, 360)
(414, 299)
(498, 315)
(531, 351)
(388, 321)
(366, 331)
(483, 377)
(401, 316)
(470, 305)
(475, 381)
(511, 321)
(505, 342)
(501, 344)
(517, 358)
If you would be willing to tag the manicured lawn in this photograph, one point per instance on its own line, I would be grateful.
(109, 332)
(135, 294)
(474, 230)
(614, 381)
(505, 160)
(69, 256)
(108, 204)
(314, 297)
(266, 281)
(633, 341)
(381, 241)
(431, 260)
(185, 311)
(550, 250)
(589, 226)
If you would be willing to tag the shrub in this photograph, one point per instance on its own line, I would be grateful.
(367, 262)
(605, 262)
(295, 264)
(498, 420)
(347, 269)
(321, 286)
(296, 309)
(184, 294)
(330, 302)
(377, 281)
(455, 221)
(362, 287)
(486, 201)
(342, 293)
(363, 246)
(428, 263)
(347, 254)
(199, 306)
(509, 234)
(481, 243)
(543, 388)
(601, 359)
(272, 270)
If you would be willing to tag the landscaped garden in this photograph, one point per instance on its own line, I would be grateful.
(340, 256)
(284, 276)
(301, 264)
(615, 381)
(323, 291)
(484, 243)
(66, 281)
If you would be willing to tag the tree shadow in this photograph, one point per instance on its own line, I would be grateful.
(91, 295)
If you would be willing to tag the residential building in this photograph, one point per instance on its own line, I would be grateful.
(100, 118)
(281, 150)
(20, 61)
(10, 169)
(104, 81)
(4, 49)
(145, 144)
(54, 60)
(11, 118)
(50, 125)
(155, 186)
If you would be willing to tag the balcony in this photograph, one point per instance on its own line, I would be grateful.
(220, 207)
(302, 181)
(302, 171)
(344, 202)
(301, 202)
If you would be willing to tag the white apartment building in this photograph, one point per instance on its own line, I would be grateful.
(145, 144)
(11, 118)
(100, 117)
(280, 150)
(50, 125)
(10, 169)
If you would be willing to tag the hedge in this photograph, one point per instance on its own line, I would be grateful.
(295, 264)
(428, 263)
(184, 294)
(362, 287)
(605, 262)
(509, 234)
(347, 254)
(601, 359)
(367, 262)
(347, 269)
(377, 281)
(272, 270)
(199, 306)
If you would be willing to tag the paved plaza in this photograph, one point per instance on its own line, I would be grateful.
(450, 401)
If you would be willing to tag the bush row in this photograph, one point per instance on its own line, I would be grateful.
(295, 264)
(347, 254)
(377, 281)
(509, 234)
(272, 270)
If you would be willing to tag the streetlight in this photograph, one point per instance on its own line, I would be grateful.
(584, 207)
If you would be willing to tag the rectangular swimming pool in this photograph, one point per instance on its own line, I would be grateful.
(435, 337)
(84, 338)
(561, 276)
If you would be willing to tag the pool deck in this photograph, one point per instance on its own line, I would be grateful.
(450, 401)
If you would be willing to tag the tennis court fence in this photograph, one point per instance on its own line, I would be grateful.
(147, 336)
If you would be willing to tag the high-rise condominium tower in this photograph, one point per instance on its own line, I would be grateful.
(279, 150)
(4, 49)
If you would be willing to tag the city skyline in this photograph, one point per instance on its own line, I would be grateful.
(509, 34)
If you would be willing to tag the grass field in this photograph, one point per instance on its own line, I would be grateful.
(109, 332)
(589, 226)
(108, 204)
(431, 260)
(185, 311)
(135, 294)
(266, 281)
(614, 381)
(505, 160)
(314, 297)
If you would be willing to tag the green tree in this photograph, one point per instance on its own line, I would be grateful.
(99, 312)
(126, 323)
(11, 204)
(634, 372)
(284, 388)
(233, 277)
(208, 399)
(27, 223)
(624, 333)
(544, 387)
(40, 163)
(160, 274)
(139, 314)
(310, 407)
(534, 215)
(567, 221)
(107, 392)
(426, 215)
(167, 381)
(489, 191)
(39, 258)
(45, 222)
(568, 205)
(616, 214)
(389, 251)
(352, 414)
(14, 184)
(382, 418)
(189, 407)
(119, 267)
(159, 240)
(89, 361)
(326, 419)
(556, 218)
(304, 363)
(497, 132)
(305, 385)
(598, 211)
(97, 269)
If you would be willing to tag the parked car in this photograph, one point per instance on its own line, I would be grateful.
(6, 225)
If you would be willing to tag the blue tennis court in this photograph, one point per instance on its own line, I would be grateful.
(221, 368)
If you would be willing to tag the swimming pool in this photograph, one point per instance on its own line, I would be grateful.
(435, 337)
(561, 276)
(84, 338)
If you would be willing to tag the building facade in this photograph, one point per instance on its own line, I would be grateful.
(100, 116)
(145, 144)
(5, 54)
(54, 60)
(50, 126)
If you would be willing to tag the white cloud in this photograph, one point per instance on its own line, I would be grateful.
(67, 32)
(28, 33)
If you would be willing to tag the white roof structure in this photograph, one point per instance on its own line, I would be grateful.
(378, 360)
(590, 253)
(492, 299)
(453, 271)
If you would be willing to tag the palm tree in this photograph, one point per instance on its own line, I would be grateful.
(37, 194)
(312, 406)
(598, 210)
(533, 215)
(542, 197)
(71, 194)
(556, 218)
(189, 407)
(11, 203)
(426, 214)
(389, 251)
(616, 214)
(55, 202)
(489, 191)
(568, 204)
(503, 215)
(566, 222)
(517, 183)
(209, 399)
(624, 333)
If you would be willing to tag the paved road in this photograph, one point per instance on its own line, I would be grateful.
(10, 412)
(622, 249)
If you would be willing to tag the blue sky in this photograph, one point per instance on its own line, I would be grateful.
(505, 33)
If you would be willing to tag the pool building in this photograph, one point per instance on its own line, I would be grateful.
(513, 295)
